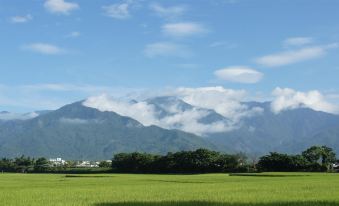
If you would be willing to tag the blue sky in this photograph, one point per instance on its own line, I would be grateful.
(54, 52)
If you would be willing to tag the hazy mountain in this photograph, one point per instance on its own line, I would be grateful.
(288, 131)
(78, 132)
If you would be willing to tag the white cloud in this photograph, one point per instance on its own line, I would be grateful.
(146, 114)
(140, 111)
(288, 99)
(189, 121)
(239, 74)
(44, 48)
(183, 29)
(21, 19)
(298, 41)
(60, 6)
(294, 56)
(167, 49)
(117, 11)
(168, 12)
(226, 102)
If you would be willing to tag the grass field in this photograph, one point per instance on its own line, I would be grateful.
(292, 189)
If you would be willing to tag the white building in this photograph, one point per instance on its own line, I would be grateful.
(57, 161)
(87, 164)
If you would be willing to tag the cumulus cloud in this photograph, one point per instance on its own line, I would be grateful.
(226, 102)
(298, 41)
(176, 117)
(168, 12)
(167, 49)
(288, 99)
(117, 11)
(294, 56)
(139, 111)
(189, 121)
(21, 19)
(183, 29)
(60, 6)
(239, 74)
(204, 101)
(44, 48)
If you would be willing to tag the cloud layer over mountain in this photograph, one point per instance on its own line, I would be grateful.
(186, 108)
(287, 99)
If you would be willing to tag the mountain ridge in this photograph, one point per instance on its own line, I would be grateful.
(76, 131)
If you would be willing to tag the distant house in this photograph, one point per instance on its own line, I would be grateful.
(87, 164)
(57, 161)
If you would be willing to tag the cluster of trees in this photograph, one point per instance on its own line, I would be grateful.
(24, 164)
(314, 159)
(199, 161)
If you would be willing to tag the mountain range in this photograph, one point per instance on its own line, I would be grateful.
(82, 131)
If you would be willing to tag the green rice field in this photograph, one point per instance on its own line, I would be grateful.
(287, 189)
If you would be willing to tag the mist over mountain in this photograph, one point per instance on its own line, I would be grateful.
(100, 126)
(78, 132)
(289, 131)
(199, 116)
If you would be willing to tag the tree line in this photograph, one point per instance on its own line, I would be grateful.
(24, 164)
(198, 161)
(314, 159)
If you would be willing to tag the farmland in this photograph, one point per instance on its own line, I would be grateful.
(290, 189)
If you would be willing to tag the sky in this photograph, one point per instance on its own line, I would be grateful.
(54, 52)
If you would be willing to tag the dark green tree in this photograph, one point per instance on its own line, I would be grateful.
(277, 162)
(7, 165)
(41, 165)
(105, 164)
(199, 161)
(320, 157)
(23, 164)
